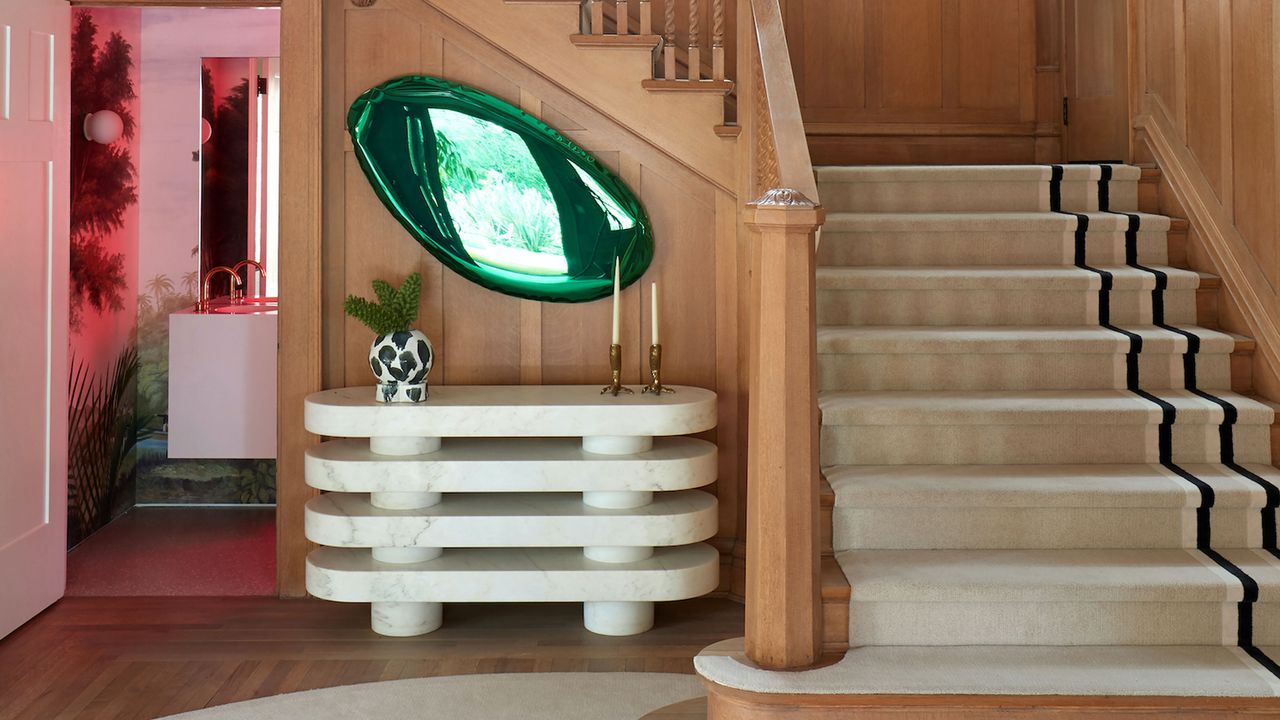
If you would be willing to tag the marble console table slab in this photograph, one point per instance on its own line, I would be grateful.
(514, 575)
(514, 465)
(511, 411)
(510, 520)
(511, 494)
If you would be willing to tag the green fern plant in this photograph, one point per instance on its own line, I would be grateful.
(396, 309)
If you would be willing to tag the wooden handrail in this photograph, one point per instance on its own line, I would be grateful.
(781, 148)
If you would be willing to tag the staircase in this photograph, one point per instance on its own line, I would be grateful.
(1041, 482)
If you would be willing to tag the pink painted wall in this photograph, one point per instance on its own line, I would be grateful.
(174, 41)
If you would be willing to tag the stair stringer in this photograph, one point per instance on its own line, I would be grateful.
(608, 80)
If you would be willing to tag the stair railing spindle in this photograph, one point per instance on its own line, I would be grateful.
(695, 32)
(646, 17)
(623, 16)
(597, 17)
(669, 40)
(717, 39)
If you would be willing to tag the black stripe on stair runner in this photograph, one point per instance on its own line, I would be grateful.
(1229, 411)
(1204, 531)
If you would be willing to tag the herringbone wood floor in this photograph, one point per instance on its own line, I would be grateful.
(118, 658)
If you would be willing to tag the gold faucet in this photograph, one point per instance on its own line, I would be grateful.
(204, 289)
(237, 294)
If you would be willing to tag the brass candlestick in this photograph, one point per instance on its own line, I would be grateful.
(615, 364)
(655, 385)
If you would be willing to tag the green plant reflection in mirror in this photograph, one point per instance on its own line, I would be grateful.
(495, 194)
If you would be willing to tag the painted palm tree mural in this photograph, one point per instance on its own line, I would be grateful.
(104, 423)
(103, 177)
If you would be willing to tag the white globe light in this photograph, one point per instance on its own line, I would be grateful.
(104, 127)
(206, 131)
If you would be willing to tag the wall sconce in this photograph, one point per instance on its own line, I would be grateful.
(206, 131)
(104, 127)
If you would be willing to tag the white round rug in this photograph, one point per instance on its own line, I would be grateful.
(526, 696)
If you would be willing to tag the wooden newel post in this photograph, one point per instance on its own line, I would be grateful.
(784, 610)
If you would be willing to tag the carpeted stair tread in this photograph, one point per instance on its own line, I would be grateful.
(994, 221)
(1042, 576)
(942, 339)
(964, 173)
(1030, 407)
(1177, 671)
(988, 278)
(1040, 486)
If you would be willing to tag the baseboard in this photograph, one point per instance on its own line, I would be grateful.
(725, 703)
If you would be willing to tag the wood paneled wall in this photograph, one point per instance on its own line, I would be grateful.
(482, 337)
(1206, 80)
(928, 81)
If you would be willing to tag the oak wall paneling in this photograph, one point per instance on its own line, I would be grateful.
(302, 230)
(485, 337)
(921, 81)
(1096, 80)
(1205, 88)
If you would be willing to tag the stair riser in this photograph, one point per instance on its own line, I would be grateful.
(951, 196)
(994, 528)
(1014, 371)
(997, 307)
(963, 248)
(943, 196)
(1266, 624)
(1033, 444)
(1041, 623)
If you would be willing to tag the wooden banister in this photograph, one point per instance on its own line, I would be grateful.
(783, 590)
(781, 147)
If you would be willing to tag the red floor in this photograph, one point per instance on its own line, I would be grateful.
(178, 551)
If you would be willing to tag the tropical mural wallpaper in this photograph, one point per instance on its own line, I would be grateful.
(103, 419)
(119, 344)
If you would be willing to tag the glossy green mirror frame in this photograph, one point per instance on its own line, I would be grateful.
(495, 194)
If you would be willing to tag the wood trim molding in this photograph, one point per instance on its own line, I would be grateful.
(724, 703)
(301, 242)
(1226, 248)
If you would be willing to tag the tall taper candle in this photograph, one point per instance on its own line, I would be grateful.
(653, 297)
(617, 290)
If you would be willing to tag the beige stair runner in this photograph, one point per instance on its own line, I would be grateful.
(1043, 484)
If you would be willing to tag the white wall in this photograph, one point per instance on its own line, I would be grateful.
(173, 41)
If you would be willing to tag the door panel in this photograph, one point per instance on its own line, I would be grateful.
(1096, 80)
(34, 220)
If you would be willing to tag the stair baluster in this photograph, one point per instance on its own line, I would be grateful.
(717, 39)
(597, 16)
(622, 17)
(669, 40)
(695, 32)
(646, 17)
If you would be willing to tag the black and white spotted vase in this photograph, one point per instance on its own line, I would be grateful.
(401, 361)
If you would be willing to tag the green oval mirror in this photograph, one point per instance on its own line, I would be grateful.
(495, 194)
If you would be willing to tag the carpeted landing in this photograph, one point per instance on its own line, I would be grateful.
(523, 696)
(1043, 483)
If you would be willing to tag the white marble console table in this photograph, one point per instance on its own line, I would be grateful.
(511, 494)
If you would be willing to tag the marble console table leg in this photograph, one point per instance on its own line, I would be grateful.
(620, 617)
(405, 619)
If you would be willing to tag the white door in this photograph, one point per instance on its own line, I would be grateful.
(34, 228)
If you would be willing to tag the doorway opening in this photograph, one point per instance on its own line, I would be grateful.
(172, 404)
